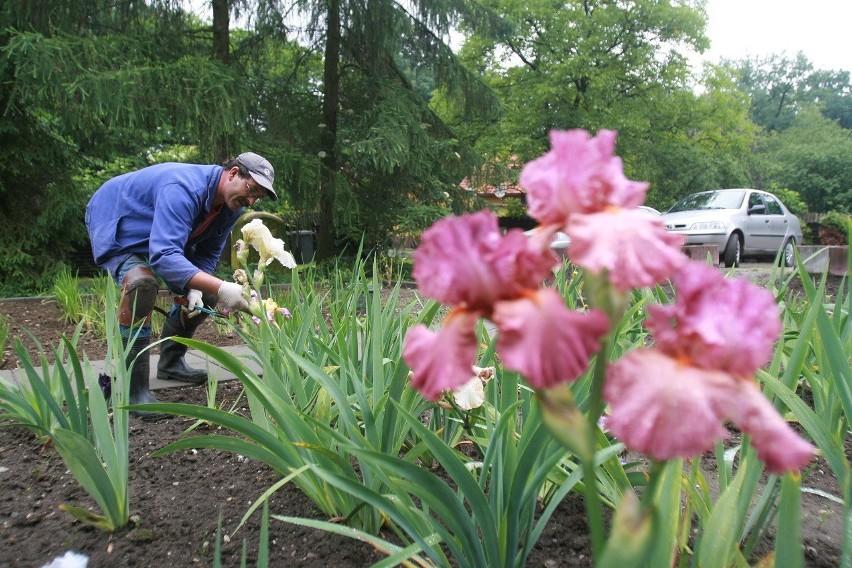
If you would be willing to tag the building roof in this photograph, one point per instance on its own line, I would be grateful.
(492, 170)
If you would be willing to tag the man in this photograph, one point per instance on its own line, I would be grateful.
(171, 221)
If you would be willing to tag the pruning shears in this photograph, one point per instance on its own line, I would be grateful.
(181, 301)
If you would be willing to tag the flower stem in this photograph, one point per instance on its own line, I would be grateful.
(593, 508)
(596, 407)
(596, 401)
(649, 495)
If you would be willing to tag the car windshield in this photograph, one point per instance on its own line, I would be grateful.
(710, 200)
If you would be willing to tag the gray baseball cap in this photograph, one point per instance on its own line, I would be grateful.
(261, 170)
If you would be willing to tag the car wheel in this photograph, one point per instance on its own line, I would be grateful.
(731, 254)
(789, 255)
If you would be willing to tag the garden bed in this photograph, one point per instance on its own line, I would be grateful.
(177, 500)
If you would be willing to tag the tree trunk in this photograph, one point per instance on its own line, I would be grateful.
(225, 145)
(331, 101)
(221, 30)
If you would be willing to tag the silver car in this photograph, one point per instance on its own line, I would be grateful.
(741, 222)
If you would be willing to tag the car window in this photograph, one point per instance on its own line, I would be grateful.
(772, 205)
(710, 200)
(755, 199)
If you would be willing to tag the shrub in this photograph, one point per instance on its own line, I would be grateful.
(834, 228)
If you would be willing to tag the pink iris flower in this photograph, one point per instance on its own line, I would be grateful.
(579, 187)
(466, 262)
(672, 400)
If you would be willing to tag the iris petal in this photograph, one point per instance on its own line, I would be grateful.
(650, 394)
(545, 341)
(441, 360)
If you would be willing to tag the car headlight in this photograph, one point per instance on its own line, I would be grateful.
(708, 226)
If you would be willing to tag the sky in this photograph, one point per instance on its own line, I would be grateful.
(821, 29)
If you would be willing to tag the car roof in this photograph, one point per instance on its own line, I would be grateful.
(728, 189)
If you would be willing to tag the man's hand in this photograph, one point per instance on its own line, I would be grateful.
(231, 296)
(193, 301)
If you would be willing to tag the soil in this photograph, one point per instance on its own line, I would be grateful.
(177, 500)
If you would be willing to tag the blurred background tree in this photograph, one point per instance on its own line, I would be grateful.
(373, 111)
(89, 89)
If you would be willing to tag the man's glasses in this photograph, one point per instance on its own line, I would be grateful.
(255, 192)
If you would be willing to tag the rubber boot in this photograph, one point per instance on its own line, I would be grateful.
(139, 377)
(172, 366)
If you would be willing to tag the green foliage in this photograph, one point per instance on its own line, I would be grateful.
(360, 150)
(379, 34)
(95, 82)
(579, 61)
(415, 219)
(83, 304)
(66, 292)
(808, 116)
(774, 85)
(780, 87)
(100, 289)
(65, 403)
(395, 155)
(514, 208)
(598, 66)
(334, 384)
(812, 157)
(328, 375)
(791, 199)
(836, 220)
(100, 461)
(40, 207)
(85, 92)
(55, 396)
(486, 515)
(682, 142)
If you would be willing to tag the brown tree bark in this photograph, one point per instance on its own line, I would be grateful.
(224, 147)
(331, 102)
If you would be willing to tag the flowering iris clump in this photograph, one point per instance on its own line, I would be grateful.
(579, 188)
(466, 262)
(257, 236)
(708, 346)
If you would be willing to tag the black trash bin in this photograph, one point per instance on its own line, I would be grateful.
(304, 245)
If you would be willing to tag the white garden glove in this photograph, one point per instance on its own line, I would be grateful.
(193, 302)
(231, 296)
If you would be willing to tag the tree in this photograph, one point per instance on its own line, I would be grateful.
(688, 142)
(807, 116)
(813, 157)
(831, 91)
(781, 87)
(85, 83)
(373, 135)
(611, 65)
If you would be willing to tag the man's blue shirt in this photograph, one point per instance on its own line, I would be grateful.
(152, 212)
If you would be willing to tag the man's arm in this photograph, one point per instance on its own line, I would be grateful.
(174, 212)
(205, 282)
